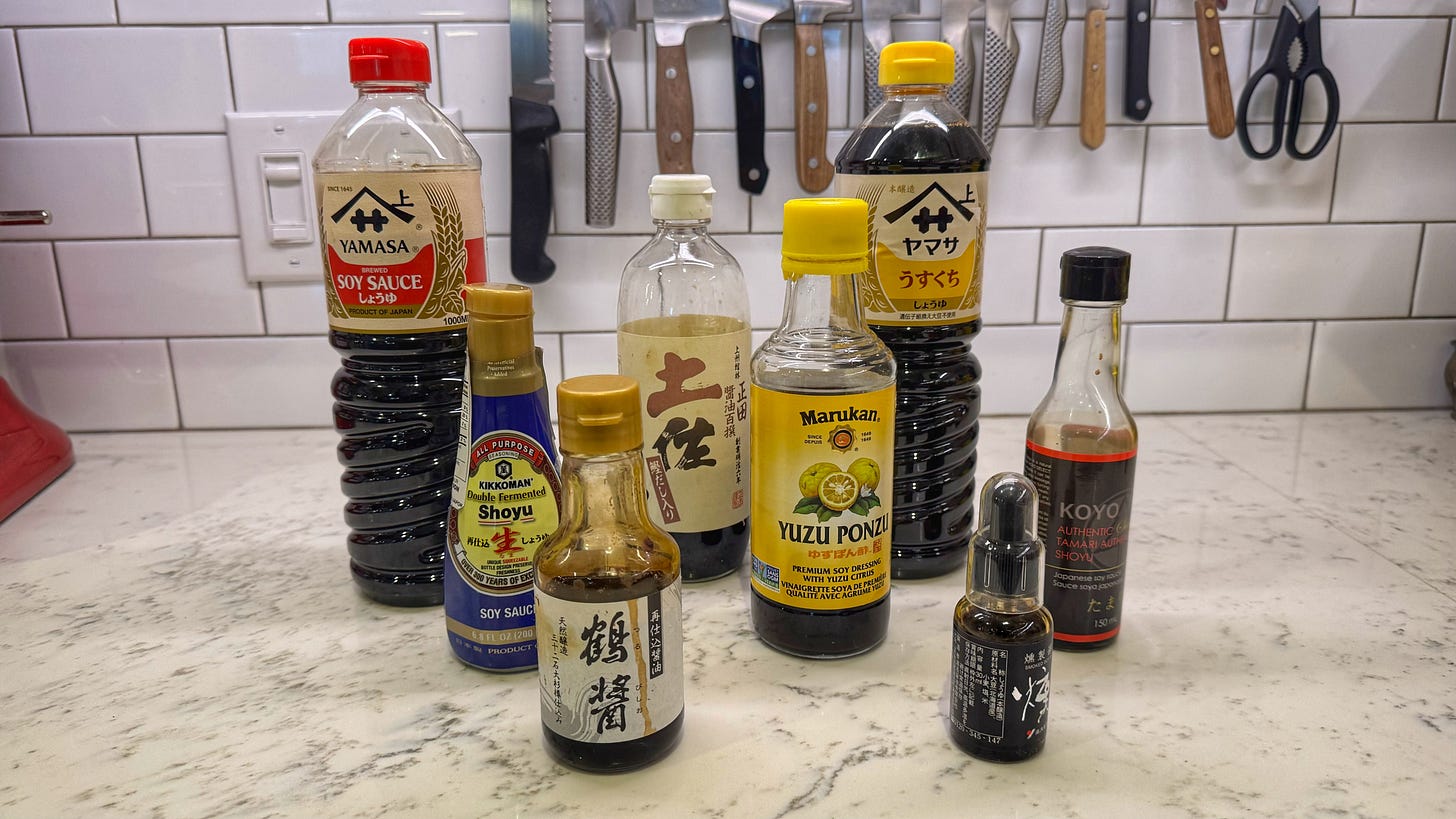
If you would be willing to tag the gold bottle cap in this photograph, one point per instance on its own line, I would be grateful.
(500, 326)
(825, 237)
(600, 414)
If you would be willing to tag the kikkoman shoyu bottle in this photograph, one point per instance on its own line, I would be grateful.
(507, 492)
(683, 333)
(1081, 447)
(922, 170)
(608, 593)
(398, 192)
(823, 408)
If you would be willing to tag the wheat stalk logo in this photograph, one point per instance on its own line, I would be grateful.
(450, 256)
(871, 292)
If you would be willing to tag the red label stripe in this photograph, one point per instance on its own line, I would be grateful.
(1086, 638)
(1098, 458)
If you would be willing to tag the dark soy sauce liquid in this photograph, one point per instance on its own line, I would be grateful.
(1014, 632)
(714, 553)
(817, 634)
(938, 393)
(397, 410)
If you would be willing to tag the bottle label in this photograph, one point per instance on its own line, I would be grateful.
(999, 693)
(1085, 504)
(611, 672)
(694, 376)
(822, 471)
(399, 247)
(927, 231)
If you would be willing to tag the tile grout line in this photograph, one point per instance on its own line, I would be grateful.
(176, 390)
(1228, 288)
(1309, 365)
(136, 142)
(24, 90)
(61, 291)
(1416, 279)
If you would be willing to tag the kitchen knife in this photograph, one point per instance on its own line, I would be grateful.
(811, 92)
(1218, 98)
(955, 22)
(1136, 101)
(603, 106)
(998, 62)
(1049, 67)
(877, 35)
(747, 18)
(1094, 75)
(671, 21)
(533, 121)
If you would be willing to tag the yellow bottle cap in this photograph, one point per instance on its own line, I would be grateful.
(917, 63)
(600, 414)
(826, 237)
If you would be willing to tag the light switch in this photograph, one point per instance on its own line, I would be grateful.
(287, 199)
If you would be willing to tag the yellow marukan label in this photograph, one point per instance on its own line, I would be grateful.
(509, 506)
(821, 495)
(927, 232)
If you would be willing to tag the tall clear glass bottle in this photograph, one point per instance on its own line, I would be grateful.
(823, 403)
(683, 333)
(923, 171)
(398, 192)
(608, 593)
(1081, 450)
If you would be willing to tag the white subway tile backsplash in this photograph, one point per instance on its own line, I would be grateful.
(57, 12)
(1323, 271)
(495, 173)
(13, 119)
(92, 186)
(1380, 364)
(1245, 8)
(1008, 276)
(1216, 367)
(582, 295)
(254, 382)
(1175, 73)
(306, 68)
(31, 305)
(1396, 8)
(1448, 82)
(1044, 177)
(1192, 178)
(94, 386)
(179, 287)
(482, 96)
(189, 185)
(1178, 274)
(761, 259)
(588, 353)
(294, 308)
(431, 11)
(1436, 281)
(193, 11)
(1396, 172)
(767, 208)
(1016, 367)
(125, 80)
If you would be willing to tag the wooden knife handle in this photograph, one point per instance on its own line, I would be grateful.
(674, 111)
(1218, 99)
(811, 104)
(1094, 79)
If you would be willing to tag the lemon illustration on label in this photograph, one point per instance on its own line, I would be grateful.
(839, 491)
(813, 476)
(867, 472)
(829, 491)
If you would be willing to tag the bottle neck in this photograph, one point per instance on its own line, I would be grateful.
(1089, 355)
(604, 491)
(817, 301)
(1001, 604)
(911, 92)
(681, 230)
(390, 87)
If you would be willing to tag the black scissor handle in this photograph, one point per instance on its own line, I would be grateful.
(1313, 66)
(1277, 65)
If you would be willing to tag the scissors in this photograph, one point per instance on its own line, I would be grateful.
(1294, 57)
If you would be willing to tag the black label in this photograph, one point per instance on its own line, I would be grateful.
(1085, 505)
(999, 692)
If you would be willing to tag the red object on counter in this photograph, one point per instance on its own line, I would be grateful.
(33, 452)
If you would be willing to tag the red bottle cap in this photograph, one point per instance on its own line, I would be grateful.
(372, 59)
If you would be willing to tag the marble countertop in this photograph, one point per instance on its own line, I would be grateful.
(181, 639)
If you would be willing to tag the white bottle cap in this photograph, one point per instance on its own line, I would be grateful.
(681, 196)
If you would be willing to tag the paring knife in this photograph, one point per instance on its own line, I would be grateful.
(1094, 75)
(998, 62)
(1137, 102)
(955, 24)
(603, 107)
(1218, 98)
(533, 121)
(811, 91)
(747, 18)
(877, 35)
(1049, 67)
(671, 21)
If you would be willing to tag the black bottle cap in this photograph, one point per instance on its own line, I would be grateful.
(1006, 556)
(1095, 274)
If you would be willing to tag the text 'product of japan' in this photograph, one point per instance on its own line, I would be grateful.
(398, 191)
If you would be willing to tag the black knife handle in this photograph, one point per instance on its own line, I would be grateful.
(748, 100)
(1136, 101)
(532, 123)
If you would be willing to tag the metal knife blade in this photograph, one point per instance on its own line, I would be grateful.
(746, 20)
(1137, 102)
(1049, 66)
(955, 23)
(533, 122)
(877, 35)
(671, 20)
(811, 91)
(603, 106)
(1094, 75)
(998, 63)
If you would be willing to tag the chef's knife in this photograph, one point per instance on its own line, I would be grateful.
(603, 106)
(955, 23)
(877, 35)
(1049, 67)
(1094, 75)
(671, 21)
(811, 92)
(1136, 101)
(533, 121)
(747, 18)
(1218, 98)
(998, 63)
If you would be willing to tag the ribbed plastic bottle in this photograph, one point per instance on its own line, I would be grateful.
(922, 170)
(398, 193)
